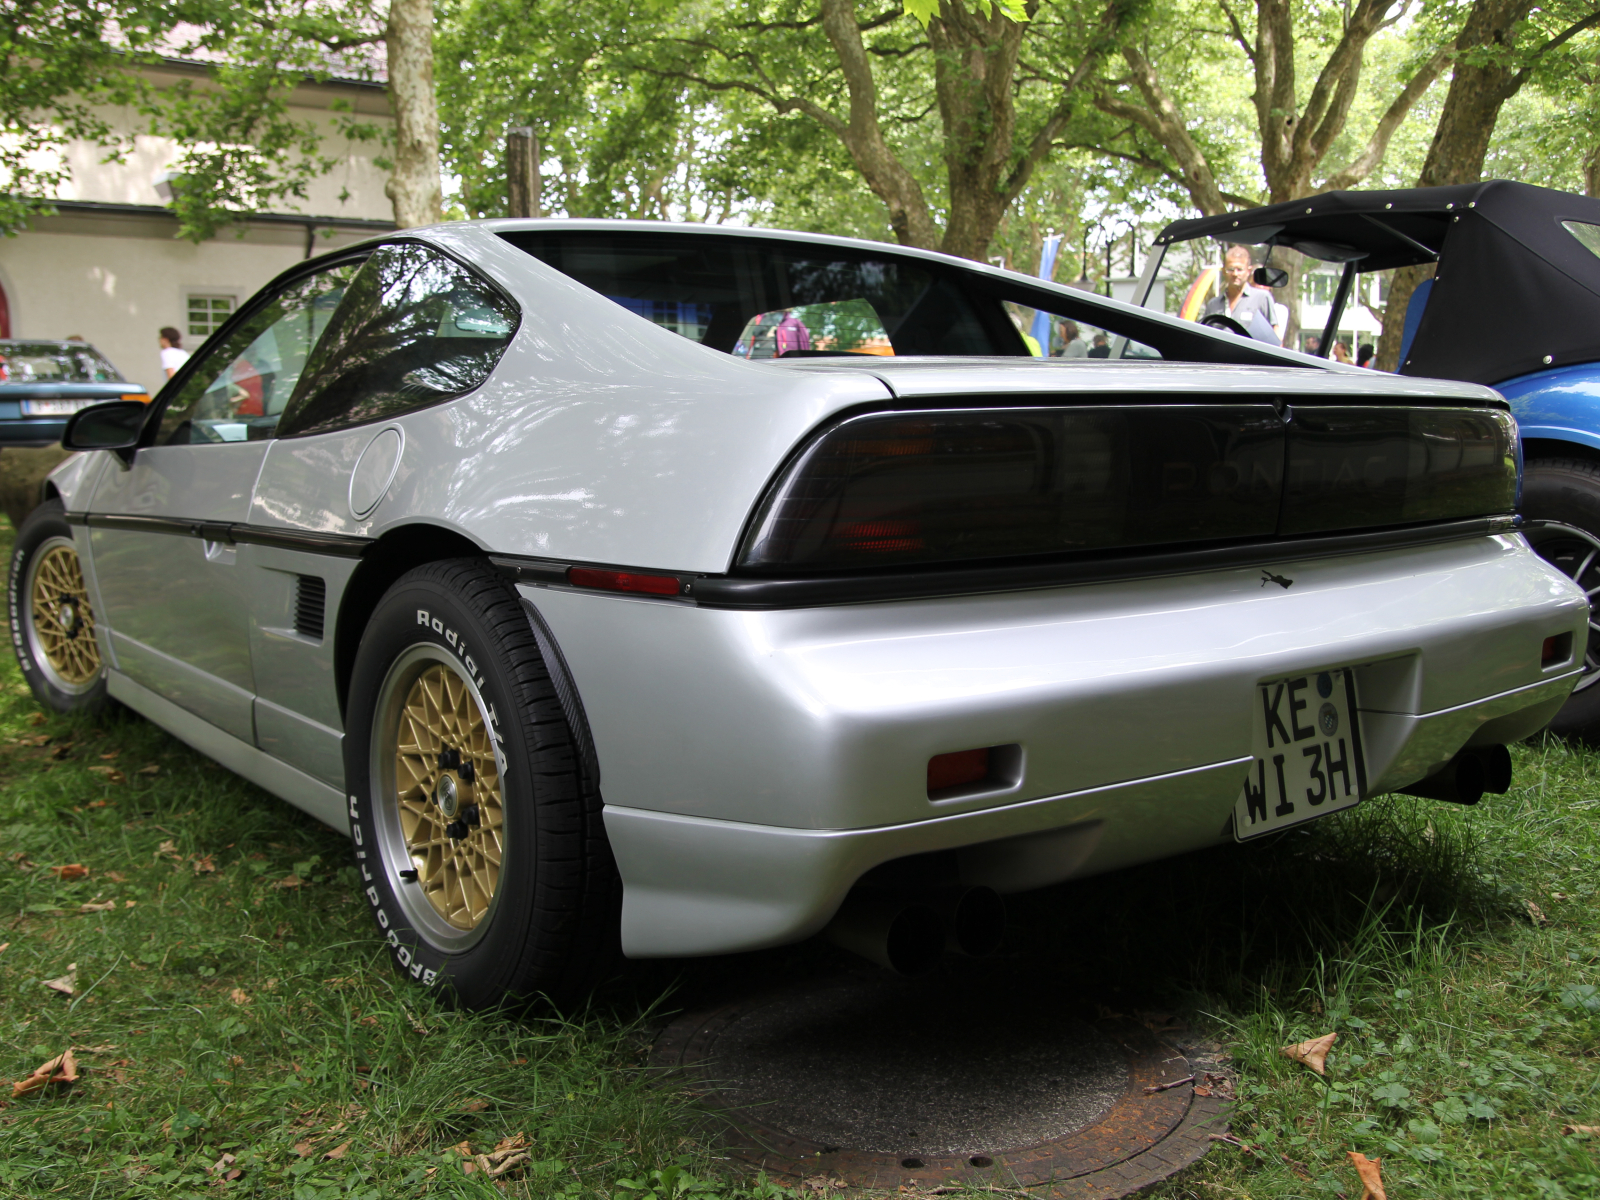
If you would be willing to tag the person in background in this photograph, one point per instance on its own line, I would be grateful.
(1280, 315)
(1101, 347)
(1072, 343)
(173, 355)
(1341, 352)
(1312, 343)
(791, 334)
(1364, 354)
(1238, 299)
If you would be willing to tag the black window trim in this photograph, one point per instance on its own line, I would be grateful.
(274, 287)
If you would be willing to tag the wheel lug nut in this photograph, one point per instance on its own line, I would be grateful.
(456, 829)
(449, 760)
(470, 815)
(466, 772)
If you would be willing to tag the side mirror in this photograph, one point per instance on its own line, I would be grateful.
(112, 426)
(1272, 277)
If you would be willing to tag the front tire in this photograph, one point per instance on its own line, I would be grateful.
(52, 619)
(1561, 501)
(477, 830)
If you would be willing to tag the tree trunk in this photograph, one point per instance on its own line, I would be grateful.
(1485, 77)
(414, 188)
(975, 62)
(1591, 173)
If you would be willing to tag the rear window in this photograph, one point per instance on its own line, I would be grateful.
(48, 362)
(733, 294)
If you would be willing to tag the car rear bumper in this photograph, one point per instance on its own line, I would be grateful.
(32, 432)
(755, 764)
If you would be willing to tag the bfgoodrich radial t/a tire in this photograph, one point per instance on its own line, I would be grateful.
(477, 828)
(1561, 502)
(52, 620)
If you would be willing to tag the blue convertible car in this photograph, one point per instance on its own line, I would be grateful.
(1513, 302)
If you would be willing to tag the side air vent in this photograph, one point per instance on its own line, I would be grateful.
(310, 602)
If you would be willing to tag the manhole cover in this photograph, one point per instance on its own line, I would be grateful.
(879, 1082)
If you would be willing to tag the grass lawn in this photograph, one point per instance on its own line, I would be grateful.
(230, 998)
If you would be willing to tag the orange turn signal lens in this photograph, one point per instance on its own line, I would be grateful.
(624, 581)
(141, 397)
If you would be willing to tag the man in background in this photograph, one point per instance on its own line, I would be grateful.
(1238, 299)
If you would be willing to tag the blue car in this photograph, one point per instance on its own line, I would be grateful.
(42, 383)
(1514, 303)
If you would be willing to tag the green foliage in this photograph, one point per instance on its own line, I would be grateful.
(66, 62)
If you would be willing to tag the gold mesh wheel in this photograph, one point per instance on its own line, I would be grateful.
(61, 619)
(447, 786)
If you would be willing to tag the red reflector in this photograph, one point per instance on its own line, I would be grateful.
(624, 581)
(882, 537)
(953, 770)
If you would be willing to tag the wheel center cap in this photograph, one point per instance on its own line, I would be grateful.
(68, 618)
(446, 796)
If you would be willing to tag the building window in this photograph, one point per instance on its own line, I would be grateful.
(207, 313)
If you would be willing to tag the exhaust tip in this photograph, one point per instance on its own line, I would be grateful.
(907, 938)
(978, 924)
(1467, 776)
(915, 942)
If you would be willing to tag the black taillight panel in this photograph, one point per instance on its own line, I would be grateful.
(963, 485)
(951, 486)
(1361, 468)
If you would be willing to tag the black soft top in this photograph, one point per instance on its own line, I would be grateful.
(1516, 290)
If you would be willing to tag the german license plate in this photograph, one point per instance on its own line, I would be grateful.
(1307, 754)
(55, 408)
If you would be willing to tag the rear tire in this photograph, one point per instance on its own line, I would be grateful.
(52, 619)
(477, 829)
(1561, 501)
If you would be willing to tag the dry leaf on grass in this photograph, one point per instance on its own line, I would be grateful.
(203, 864)
(169, 849)
(70, 871)
(1219, 1086)
(150, 769)
(1313, 1054)
(102, 804)
(1566, 1130)
(116, 877)
(92, 907)
(111, 774)
(224, 1169)
(239, 996)
(38, 718)
(65, 984)
(61, 1069)
(338, 1151)
(1369, 1170)
(303, 1148)
(1535, 913)
(289, 882)
(476, 1105)
(3, 946)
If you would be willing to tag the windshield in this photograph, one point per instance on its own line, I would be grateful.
(52, 362)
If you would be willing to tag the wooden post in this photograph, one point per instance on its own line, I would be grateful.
(522, 171)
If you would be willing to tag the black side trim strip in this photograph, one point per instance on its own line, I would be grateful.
(566, 692)
(736, 592)
(337, 545)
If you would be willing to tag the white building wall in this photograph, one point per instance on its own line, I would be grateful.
(117, 277)
(117, 281)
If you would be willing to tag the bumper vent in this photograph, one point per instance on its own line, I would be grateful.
(310, 603)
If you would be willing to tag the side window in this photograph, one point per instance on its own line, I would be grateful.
(415, 328)
(239, 390)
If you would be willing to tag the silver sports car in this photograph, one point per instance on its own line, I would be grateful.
(686, 590)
